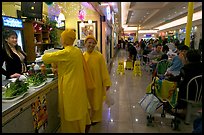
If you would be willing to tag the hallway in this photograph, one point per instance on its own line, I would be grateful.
(126, 116)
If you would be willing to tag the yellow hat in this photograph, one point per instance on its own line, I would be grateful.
(90, 37)
(68, 37)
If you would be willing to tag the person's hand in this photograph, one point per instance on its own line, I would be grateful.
(54, 68)
(16, 75)
(107, 88)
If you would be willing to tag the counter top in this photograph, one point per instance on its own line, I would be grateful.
(8, 107)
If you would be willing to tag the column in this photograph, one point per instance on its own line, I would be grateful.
(189, 23)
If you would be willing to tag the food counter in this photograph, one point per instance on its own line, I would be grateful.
(18, 116)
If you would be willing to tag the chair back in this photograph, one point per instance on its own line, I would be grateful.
(162, 67)
(197, 82)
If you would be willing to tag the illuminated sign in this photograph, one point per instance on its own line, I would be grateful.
(12, 22)
(108, 13)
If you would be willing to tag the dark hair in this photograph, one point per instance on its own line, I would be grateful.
(183, 47)
(164, 56)
(159, 44)
(165, 48)
(193, 56)
(6, 34)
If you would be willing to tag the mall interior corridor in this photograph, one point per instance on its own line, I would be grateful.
(126, 116)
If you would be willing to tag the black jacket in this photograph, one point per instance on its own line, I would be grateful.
(13, 65)
(189, 71)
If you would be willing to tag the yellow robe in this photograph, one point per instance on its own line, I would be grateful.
(99, 72)
(73, 101)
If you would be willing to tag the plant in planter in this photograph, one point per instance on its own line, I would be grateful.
(51, 25)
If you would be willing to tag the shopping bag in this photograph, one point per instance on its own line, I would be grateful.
(149, 103)
(109, 99)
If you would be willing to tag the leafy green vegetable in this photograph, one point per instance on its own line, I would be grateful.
(16, 88)
(36, 79)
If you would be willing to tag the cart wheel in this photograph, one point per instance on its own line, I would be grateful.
(162, 115)
(175, 124)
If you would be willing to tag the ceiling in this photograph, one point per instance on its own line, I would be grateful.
(149, 15)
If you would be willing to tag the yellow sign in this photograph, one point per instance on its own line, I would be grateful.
(137, 68)
(120, 69)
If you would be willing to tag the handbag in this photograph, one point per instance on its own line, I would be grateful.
(109, 99)
(149, 103)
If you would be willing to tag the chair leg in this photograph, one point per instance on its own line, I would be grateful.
(188, 113)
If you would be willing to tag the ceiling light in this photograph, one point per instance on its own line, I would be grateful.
(147, 13)
(147, 31)
(104, 4)
(61, 16)
(89, 21)
(144, 16)
(184, 7)
(196, 16)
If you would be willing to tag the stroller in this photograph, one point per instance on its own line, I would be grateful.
(167, 102)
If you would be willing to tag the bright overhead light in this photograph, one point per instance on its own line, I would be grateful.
(129, 28)
(147, 31)
(104, 4)
(89, 21)
(196, 16)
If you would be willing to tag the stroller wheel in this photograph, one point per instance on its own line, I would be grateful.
(175, 124)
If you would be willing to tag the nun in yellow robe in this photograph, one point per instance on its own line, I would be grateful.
(99, 72)
(72, 92)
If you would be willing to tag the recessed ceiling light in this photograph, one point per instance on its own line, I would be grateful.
(184, 7)
(144, 16)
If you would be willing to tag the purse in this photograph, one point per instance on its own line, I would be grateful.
(149, 103)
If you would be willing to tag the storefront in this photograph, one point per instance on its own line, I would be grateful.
(36, 36)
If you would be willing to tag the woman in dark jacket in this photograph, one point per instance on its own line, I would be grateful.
(12, 55)
(187, 72)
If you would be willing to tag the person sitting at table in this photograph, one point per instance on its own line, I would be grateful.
(192, 68)
(177, 61)
(157, 53)
(154, 56)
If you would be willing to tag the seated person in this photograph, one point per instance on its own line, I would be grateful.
(156, 54)
(177, 61)
(188, 71)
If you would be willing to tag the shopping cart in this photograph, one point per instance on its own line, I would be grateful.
(168, 100)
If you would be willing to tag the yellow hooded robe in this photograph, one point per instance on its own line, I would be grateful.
(99, 72)
(73, 101)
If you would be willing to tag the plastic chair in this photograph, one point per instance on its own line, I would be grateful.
(197, 101)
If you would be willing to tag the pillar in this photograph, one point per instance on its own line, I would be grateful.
(189, 23)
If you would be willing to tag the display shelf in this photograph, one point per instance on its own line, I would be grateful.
(36, 34)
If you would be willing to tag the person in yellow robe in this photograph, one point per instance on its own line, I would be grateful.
(72, 92)
(100, 75)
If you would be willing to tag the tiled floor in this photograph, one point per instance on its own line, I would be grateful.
(126, 116)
